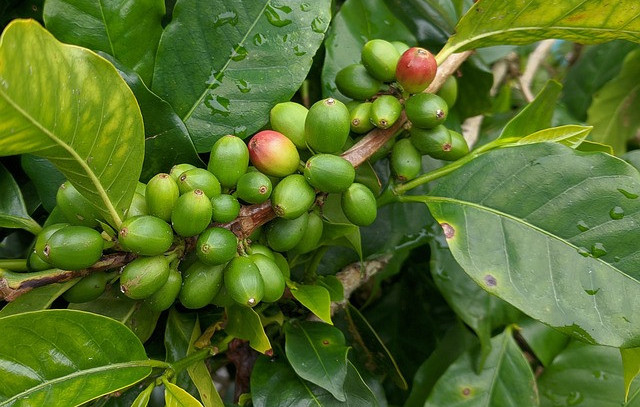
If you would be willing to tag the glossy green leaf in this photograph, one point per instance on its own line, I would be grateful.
(200, 375)
(592, 146)
(633, 158)
(552, 231)
(614, 111)
(244, 323)
(357, 22)
(167, 141)
(334, 286)
(178, 333)
(318, 353)
(536, 115)
(597, 65)
(506, 379)
(143, 398)
(175, 396)
(47, 187)
(570, 135)
(87, 121)
(134, 314)
(275, 383)
(546, 343)
(369, 345)
(129, 30)
(585, 375)
(37, 299)
(89, 356)
(496, 22)
(224, 64)
(631, 367)
(314, 297)
(475, 84)
(13, 212)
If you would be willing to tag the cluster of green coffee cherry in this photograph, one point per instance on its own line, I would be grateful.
(390, 77)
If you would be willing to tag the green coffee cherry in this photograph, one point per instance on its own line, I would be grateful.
(225, 208)
(243, 281)
(144, 276)
(43, 236)
(178, 169)
(191, 214)
(199, 178)
(161, 195)
(400, 46)
(35, 263)
(145, 235)
(406, 160)
(138, 206)
(216, 246)
(283, 264)
(73, 248)
(426, 110)
(292, 197)
(87, 289)
(356, 82)
(165, 296)
(312, 235)
(200, 283)
(416, 69)
(254, 187)
(273, 154)
(229, 159)
(285, 234)
(288, 118)
(439, 143)
(141, 188)
(329, 173)
(222, 298)
(257, 248)
(327, 126)
(449, 91)
(361, 118)
(385, 111)
(75, 207)
(380, 58)
(272, 277)
(359, 205)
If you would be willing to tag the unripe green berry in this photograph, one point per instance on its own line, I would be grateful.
(216, 246)
(87, 289)
(178, 169)
(272, 277)
(225, 208)
(426, 110)
(359, 205)
(292, 197)
(356, 82)
(243, 281)
(73, 248)
(406, 160)
(360, 117)
(75, 207)
(329, 173)
(164, 297)
(380, 58)
(161, 195)
(327, 126)
(144, 276)
(145, 235)
(229, 159)
(288, 118)
(192, 213)
(199, 178)
(385, 111)
(285, 234)
(200, 283)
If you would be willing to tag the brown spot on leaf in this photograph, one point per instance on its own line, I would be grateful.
(466, 391)
(325, 342)
(446, 147)
(448, 230)
(490, 280)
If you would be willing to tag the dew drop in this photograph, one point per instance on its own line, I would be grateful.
(278, 15)
(616, 259)
(243, 86)
(598, 250)
(285, 38)
(592, 292)
(583, 252)
(259, 39)
(215, 79)
(574, 397)
(616, 213)
(628, 194)
(228, 17)
(297, 52)
(217, 105)
(238, 53)
(582, 226)
(318, 25)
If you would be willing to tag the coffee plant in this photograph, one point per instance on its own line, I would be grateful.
(314, 202)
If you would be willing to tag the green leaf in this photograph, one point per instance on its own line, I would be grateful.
(37, 299)
(614, 111)
(244, 323)
(584, 375)
(200, 375)
(178, 333)
(546, 343)
(143, 398)
(134, 314)
(275, 383)
(314, 297)
(505, 380)
(224, 64)
(592, 146)
(475, 84)
(175, 396)
(167, 141)
(496, 22)
(87, 121)
(317, 352)
(596, 66)
(333, 285)
(357, 22)
(631, 367)
(47, 187)
(89, 356)
(128, 30)
(552, 231)
(570, 135)
(13, 212)
(368, 344)
(536, 115)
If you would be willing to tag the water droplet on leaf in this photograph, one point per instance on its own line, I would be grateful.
(278, 15)
(297, 52)
(238, 53)
(582, 226)
(215, 79)
(243, 86)
(592, 292)
(218, 105)
(305, 6)
(583, 252)
(628, 194)
(598, 250)
(228, 17)
(616, 213)
(259, 39)
(318, 25)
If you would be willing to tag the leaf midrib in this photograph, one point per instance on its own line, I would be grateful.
(89, 172)
(223, 69)
(437, 199)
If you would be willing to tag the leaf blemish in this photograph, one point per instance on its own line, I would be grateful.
(490, 280)
(325, 342)
(448, 230)
(466, 391)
